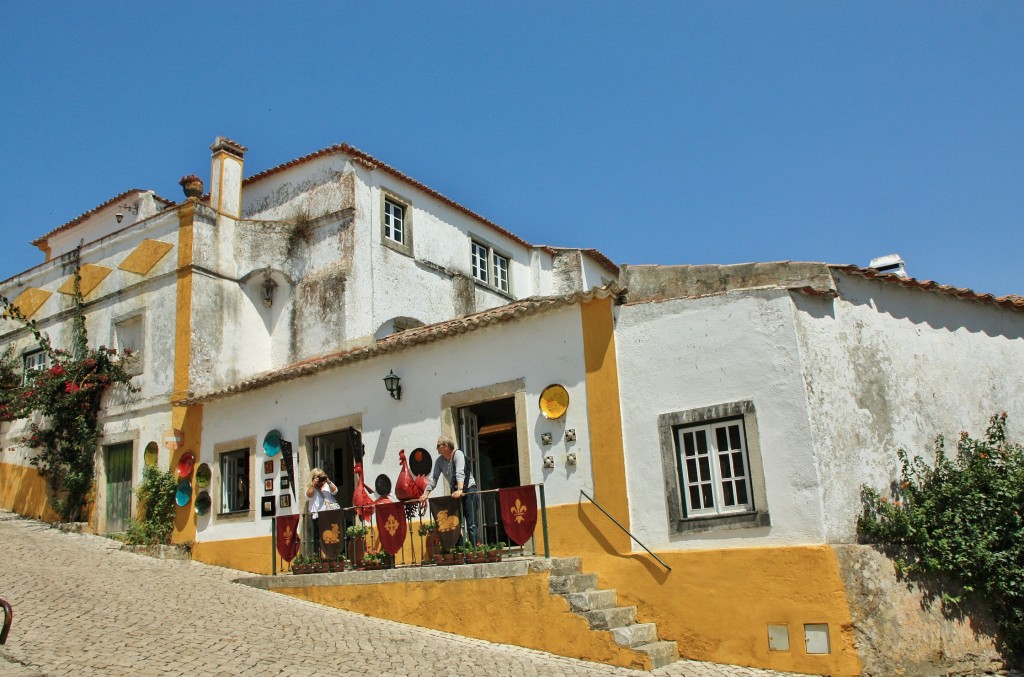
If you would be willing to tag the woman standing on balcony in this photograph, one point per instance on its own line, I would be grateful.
(320, 492)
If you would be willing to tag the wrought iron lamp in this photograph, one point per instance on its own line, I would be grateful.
(393, 384)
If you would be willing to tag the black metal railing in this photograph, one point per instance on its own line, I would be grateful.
(660, 561)
(420, 546)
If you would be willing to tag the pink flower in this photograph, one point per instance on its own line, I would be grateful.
(70, 388)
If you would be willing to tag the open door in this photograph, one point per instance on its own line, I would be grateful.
(487, 435)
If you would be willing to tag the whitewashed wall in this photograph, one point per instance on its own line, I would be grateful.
(891, 367)
(541, 349)
(683, 354)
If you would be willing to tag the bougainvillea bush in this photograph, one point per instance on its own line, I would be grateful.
(961, 516)
(62, 403)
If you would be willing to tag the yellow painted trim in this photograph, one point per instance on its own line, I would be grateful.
(46, 249)
(23, 491)
(605, 421)
(31, 300)
(518, 611)
(187, 419)
(91, 274)
(145, 256)
(245, 554)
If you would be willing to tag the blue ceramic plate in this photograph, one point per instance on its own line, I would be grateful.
(272, 442)
(184, 493)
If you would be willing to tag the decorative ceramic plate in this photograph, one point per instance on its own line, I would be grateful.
(382, 485)
(554, 401)
(183, 494)
(203, 476)
(185, 464)
(272, 442)
(152, 452)
(419, 461)
(203, 503)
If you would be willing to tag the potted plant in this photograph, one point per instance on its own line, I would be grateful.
(320, 566)
(301, 564)
(356, 543)
(432, 549)
(336, 564)
(375, 559)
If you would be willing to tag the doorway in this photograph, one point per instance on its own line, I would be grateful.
(488, 437)
(336, 453)
(119, 486)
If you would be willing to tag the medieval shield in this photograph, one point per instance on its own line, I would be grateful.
(331, 532)
(288, 541)
(447, 512)
(391, 526)
(518, 512)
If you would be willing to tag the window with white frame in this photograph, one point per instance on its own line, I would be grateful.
(394, 220)
(714, 477)
(713, 465)
(234, 481)
(32, 361)
(488, 266)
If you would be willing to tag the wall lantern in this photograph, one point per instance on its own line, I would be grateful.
(267, 290)
(392, 383)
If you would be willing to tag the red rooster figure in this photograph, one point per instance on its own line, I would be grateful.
(409, 488)
(361, 498)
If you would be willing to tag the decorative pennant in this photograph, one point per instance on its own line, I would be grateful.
(447, 512)
(289, 465)
(518, 513)
(392, 526)
(331, 532)
(288, 541)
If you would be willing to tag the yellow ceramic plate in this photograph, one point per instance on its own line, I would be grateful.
(554, 401)
(151, 453)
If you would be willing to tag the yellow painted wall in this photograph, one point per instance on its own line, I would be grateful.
(23, 491)
(244, 554)
(518, 611)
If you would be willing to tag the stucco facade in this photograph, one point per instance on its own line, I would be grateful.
(279, 301)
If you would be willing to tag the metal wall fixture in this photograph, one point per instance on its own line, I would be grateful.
(267, 289)
(393, 384)
(545, 438)
(133, 208)
(570, 435)
(570, 459)
(549, 461)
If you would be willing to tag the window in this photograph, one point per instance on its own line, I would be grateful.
(712, 461)
(128, 341)
(712, 468)
(234, 484)
(32, 361)
(488, 266)
(395, 222)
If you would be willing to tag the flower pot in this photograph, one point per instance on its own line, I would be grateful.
(356, 550)
(433, 544)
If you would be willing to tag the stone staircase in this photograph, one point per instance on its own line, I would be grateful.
(600, 609)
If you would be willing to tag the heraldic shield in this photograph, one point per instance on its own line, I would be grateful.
(331, 533)
(447, 512)
(288, 541)
(518, 513)
(391, 526)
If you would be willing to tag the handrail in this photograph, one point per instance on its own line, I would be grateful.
(660, 561)
(8, 617)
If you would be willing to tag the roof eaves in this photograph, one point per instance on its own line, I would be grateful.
(82, 217)
(1009, 301)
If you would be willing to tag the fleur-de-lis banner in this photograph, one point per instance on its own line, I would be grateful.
(288, 540)
(447, 512)
(332, 534)
(518, 513)
(391, 526)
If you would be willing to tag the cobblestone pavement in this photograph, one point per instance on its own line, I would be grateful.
(83, 607)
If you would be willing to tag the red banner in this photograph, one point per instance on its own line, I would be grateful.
(288, 541)
(391, 526)
(518, 512)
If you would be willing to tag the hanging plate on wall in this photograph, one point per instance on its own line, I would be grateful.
(185, 464)
(272, 442)
(203, 475)
(554, 401)
(152, 452)
(382, 485)
(183, 494)
(203, 503)
(419, 461)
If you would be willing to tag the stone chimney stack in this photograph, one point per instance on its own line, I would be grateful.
(226, 176)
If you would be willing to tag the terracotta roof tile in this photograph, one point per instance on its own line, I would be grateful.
(408, 338)
(1010, 301)
(82, 217)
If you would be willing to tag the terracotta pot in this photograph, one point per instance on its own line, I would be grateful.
(356, 550)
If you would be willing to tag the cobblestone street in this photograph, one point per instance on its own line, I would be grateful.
(83, 607)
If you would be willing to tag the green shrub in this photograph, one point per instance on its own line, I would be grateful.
(156, 509)
(961, 516)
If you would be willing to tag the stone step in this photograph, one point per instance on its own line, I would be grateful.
(661, 653)
(561, 585)
(606, 619)
(557, 566)
(591, 600)
(636, 634)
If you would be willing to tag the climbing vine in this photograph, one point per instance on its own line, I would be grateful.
(63, 402)
(961, 516)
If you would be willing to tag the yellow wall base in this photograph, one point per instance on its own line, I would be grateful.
(23, 491)
(518, 611)
(718, 603)
(244, 554)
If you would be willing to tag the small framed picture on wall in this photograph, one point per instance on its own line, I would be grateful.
(268, 486)
(286, 482)
(268, 467)
(268, 509)
(284, 500)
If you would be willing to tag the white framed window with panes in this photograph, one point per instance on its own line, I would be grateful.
(714, 476)
(489, 266)
(31, 362)
(396, 222)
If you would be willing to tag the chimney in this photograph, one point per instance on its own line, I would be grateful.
(891, 264)
(226, 176)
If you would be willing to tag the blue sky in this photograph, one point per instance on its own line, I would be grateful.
(657, 132)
